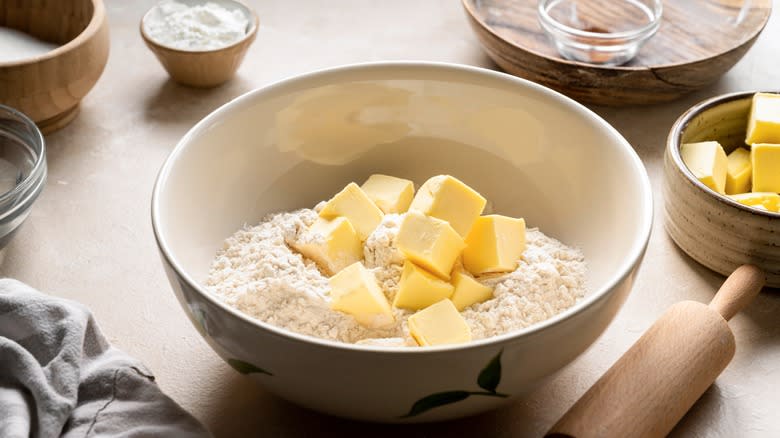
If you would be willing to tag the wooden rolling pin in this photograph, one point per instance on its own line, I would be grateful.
(655, 383)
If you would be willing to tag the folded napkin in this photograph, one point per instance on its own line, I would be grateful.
(60, 377)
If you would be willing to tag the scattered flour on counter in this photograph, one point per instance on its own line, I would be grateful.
(258, 273)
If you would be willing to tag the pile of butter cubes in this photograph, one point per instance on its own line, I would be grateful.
(445, 242)
(750, 177)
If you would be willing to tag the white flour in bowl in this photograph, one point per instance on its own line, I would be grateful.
(195, 27)
(259, 274)
(16, 45)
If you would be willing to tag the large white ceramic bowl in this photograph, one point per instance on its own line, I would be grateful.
(532, 151)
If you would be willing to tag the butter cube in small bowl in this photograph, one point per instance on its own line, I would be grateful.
(719, 208)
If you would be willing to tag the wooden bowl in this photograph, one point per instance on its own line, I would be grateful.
(714, 230)
(698, 41)
(204, 68)
(48, 88)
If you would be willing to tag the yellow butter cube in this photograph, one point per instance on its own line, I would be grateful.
(494, 244)
(468, 291)
(738, 171)
(447, 198)
(332, 244)
(390, 194)
(429, 242)
(353, 204)
(708, 163)
(419, 288)
(764, 122)
(439, 324)
(354, 290)
(766, 167)
(768, 200)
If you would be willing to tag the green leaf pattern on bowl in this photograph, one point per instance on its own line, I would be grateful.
(490, 376)
(436, 400)
(200, 321)
(488, 379)
(246, 367)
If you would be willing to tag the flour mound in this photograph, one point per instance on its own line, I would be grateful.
(259, 274)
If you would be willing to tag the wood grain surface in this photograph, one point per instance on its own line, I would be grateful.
(48, 88)
(698, 41)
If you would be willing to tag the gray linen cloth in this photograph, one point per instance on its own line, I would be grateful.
(60, 377)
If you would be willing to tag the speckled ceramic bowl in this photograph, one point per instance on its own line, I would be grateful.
(533, 152)
(714, 230)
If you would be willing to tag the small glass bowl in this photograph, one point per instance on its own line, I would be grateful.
(22, 169)
(601, 32)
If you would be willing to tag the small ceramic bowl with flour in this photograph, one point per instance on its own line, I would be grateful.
(302, 140)
(200, 43)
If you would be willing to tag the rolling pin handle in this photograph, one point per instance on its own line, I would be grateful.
(738, 291)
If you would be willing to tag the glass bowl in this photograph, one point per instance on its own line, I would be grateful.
(602, 32)
(22, 169)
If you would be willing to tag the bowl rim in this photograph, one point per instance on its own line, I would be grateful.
(630, 263)
(674, 142)
(248, 36)
(94, 25)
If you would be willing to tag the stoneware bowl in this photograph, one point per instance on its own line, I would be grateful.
(204, 68)
(294, 143)
(714, 230)
(49, 87)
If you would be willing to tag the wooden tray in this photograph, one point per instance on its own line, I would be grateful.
(699, 40)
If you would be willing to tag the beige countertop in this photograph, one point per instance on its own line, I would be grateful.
(89, 236)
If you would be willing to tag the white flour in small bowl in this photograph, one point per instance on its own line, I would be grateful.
(259, 274)
(207, 26)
